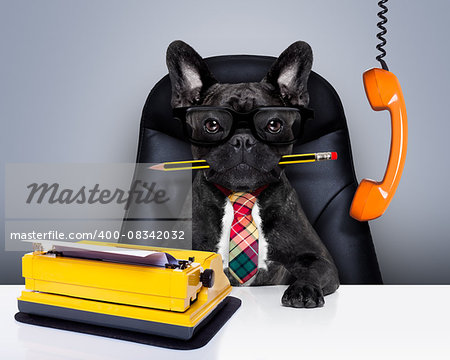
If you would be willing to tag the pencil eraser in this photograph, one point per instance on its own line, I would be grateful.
(334, 155)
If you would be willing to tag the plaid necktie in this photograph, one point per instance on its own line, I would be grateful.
(243, 257)
(243, 253)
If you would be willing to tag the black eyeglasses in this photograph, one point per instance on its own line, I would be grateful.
(207, 125)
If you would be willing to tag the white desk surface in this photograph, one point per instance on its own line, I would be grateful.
(357, 322)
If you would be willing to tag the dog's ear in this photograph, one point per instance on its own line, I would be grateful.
(189, 74)
(289, 74)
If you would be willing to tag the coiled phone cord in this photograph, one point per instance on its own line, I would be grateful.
(381, 34)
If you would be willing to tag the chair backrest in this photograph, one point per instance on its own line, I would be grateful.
(325, 189)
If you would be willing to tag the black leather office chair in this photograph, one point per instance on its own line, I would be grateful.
(325, 189)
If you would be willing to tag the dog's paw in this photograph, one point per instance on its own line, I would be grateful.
(303, 296)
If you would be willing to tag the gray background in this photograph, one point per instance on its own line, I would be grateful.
(74, 76)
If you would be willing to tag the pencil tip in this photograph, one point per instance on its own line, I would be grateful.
(157, 167)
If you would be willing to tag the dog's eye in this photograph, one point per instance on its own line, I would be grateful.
(274, 126)
(212, 126)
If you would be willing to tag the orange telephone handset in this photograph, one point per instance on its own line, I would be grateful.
(372, 198)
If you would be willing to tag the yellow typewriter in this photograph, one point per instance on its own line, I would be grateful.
(152, 290)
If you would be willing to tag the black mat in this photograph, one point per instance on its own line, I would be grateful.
(203, 335)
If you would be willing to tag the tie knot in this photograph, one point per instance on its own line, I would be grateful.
(242, 203)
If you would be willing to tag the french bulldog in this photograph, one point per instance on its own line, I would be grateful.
(289, 250)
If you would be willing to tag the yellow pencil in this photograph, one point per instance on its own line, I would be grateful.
(285, 160)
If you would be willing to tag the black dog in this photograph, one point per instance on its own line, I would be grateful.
(243, 156)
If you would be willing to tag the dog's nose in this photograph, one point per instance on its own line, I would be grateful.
(245, 141)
